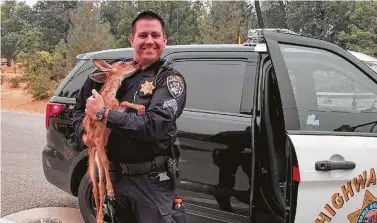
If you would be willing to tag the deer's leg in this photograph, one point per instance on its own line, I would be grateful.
(93, 177)
(105, 164)
(101, 187)
(140, 108)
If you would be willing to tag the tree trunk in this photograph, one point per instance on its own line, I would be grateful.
(259, 14)
(284, 13)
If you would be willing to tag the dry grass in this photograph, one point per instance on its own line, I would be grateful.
(18, 99)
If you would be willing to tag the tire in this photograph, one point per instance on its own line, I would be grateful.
(86, 203)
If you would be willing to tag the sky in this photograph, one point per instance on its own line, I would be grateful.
(29, 2)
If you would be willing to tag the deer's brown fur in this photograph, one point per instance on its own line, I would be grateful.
(96, 131)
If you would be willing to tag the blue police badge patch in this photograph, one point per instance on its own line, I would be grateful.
(175, 85)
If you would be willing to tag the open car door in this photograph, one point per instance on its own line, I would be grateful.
(329, 106)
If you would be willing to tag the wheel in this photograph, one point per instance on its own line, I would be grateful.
(86, 201)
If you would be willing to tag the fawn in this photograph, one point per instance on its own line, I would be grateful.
(112, 77)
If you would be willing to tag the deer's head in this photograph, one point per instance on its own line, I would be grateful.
(116, 72)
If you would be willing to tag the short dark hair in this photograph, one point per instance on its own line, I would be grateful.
(148, 15)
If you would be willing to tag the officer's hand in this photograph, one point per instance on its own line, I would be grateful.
(89, 143)
(94, 104)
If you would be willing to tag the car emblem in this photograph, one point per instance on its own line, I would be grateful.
(368, 212)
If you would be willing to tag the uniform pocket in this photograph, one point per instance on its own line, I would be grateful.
(159, 186)
(164, 197)
(154, 195)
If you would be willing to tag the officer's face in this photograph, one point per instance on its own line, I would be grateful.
(148, 40)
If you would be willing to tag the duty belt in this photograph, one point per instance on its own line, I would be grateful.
(157, 164)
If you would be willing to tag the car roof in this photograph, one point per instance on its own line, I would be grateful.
(363, 57)
(128, 52)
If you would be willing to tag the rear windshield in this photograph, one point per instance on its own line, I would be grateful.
(76, 78)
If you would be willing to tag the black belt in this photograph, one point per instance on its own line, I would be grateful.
(157, 164)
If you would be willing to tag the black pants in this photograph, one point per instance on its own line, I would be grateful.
(143, 198)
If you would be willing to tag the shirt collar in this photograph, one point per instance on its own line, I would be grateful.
(152, 69)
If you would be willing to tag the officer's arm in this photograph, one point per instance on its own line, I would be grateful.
(164, 109)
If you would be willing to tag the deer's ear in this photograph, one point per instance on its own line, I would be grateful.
(101, 65)
(99, 77)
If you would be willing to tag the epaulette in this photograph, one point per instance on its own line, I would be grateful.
(163, 68)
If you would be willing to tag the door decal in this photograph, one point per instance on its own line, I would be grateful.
(346, 192)
(368, 212)
(313, 120)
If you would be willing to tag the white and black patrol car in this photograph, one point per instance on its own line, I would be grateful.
(280, 129)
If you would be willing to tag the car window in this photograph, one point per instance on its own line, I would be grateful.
(214, 85)
(76, 81)
(331, 93)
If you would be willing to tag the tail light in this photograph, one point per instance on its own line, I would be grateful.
(296, 174)
(52, 109)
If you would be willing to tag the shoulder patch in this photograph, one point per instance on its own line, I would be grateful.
(175, 85)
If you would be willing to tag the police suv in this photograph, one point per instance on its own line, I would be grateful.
(280, 129)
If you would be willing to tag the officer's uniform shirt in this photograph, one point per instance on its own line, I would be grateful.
(136, 138)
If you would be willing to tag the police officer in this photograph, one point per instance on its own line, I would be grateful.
(142, 148)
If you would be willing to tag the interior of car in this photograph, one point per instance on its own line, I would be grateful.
(271, 149)
(340, 96)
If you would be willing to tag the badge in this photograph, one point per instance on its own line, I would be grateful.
(175, 85)
(147, 87)
(368, 212)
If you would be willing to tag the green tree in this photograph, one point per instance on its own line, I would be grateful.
(274, 14)
(17, 33)
(119, 15)
(318, 19)
(361, 34)
(87, 33)
(124, 29)
(53, 20)
(223, 21)
(40, 72)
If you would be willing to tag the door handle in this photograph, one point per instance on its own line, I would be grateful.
(328, 165)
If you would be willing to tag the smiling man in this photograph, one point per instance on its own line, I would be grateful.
(142, 147)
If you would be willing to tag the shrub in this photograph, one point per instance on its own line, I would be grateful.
(15, 82)
(41, 87)
(42, 72)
